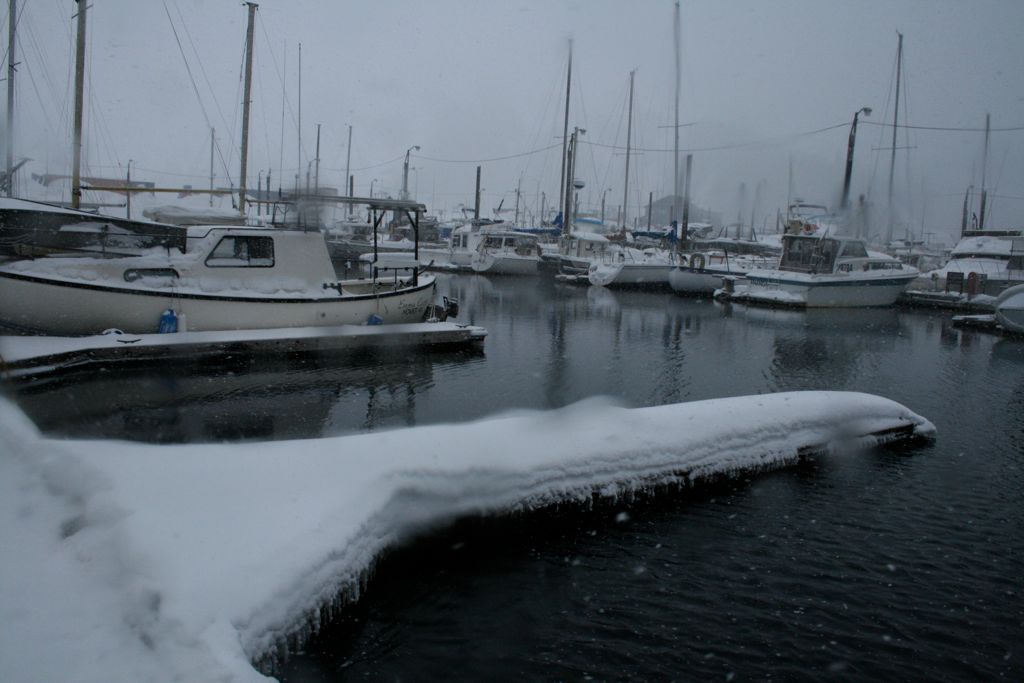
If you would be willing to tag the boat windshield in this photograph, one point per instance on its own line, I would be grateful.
(808, 254)
(242, 251)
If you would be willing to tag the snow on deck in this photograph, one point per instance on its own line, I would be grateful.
(126, 561)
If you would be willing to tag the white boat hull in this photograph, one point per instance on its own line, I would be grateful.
(687, 280)
(506, 264)
(61, 308)
(1010, 309)
(836, 290)
(630, 274)
(696, 277)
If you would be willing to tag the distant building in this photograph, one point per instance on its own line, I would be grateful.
(661, 213)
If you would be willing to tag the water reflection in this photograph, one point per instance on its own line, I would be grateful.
(239, 397)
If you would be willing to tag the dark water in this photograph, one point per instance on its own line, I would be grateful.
(898, 565)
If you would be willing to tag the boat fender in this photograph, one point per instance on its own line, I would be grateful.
(168, 322)
(697, 261)
(451, 307)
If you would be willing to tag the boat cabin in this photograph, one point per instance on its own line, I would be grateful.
(814, 254)
(584, 245)
(521, 244)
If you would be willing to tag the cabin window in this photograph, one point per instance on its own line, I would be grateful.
(242, 252)
(855, 250)
(133, 274)
(798, 254)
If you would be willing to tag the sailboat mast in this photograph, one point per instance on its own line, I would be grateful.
(76, 145)
(685, 223)
(348, 161)
(519, 187)
(245, 105)
(895, 121)
(675, 128)
(629, 142)
(12, 23)
(213, 134)
(565, 137)
(984, 166)
(317, 181)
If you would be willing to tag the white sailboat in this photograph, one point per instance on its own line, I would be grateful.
(227, 278)
(622, 266)
(219, 278)
(506, 252)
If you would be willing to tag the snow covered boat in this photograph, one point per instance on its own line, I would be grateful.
(461, 247)
(630, 267)
(702, 272)
(576, 253)
(506, 252)
(225, 278)
(1010, 309)
(29, 228)
(832, 271)
(994, 257)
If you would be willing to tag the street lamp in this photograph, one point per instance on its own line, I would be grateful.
(849, 155)
(371, 187)
(405, 172)
(603, 193)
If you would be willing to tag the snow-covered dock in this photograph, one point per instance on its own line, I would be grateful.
(24, 355)
(979, 303)
(136, 562)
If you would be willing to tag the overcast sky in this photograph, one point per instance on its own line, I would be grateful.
(483, 82)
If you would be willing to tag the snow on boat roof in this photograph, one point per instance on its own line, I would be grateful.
(189, 562)
(984, 244)
(13, 204)
(588, 236)
(187, 215)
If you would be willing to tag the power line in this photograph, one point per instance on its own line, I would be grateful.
(944, 128)
(480, 161)
(738, 145)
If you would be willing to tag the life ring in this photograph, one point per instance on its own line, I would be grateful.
(697, 261)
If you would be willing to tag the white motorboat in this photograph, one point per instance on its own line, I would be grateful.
(576, 253)
(225, 278)
(461, 248)
(829, 271)
(995, 258)
(1010, 309)
(506, 252)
